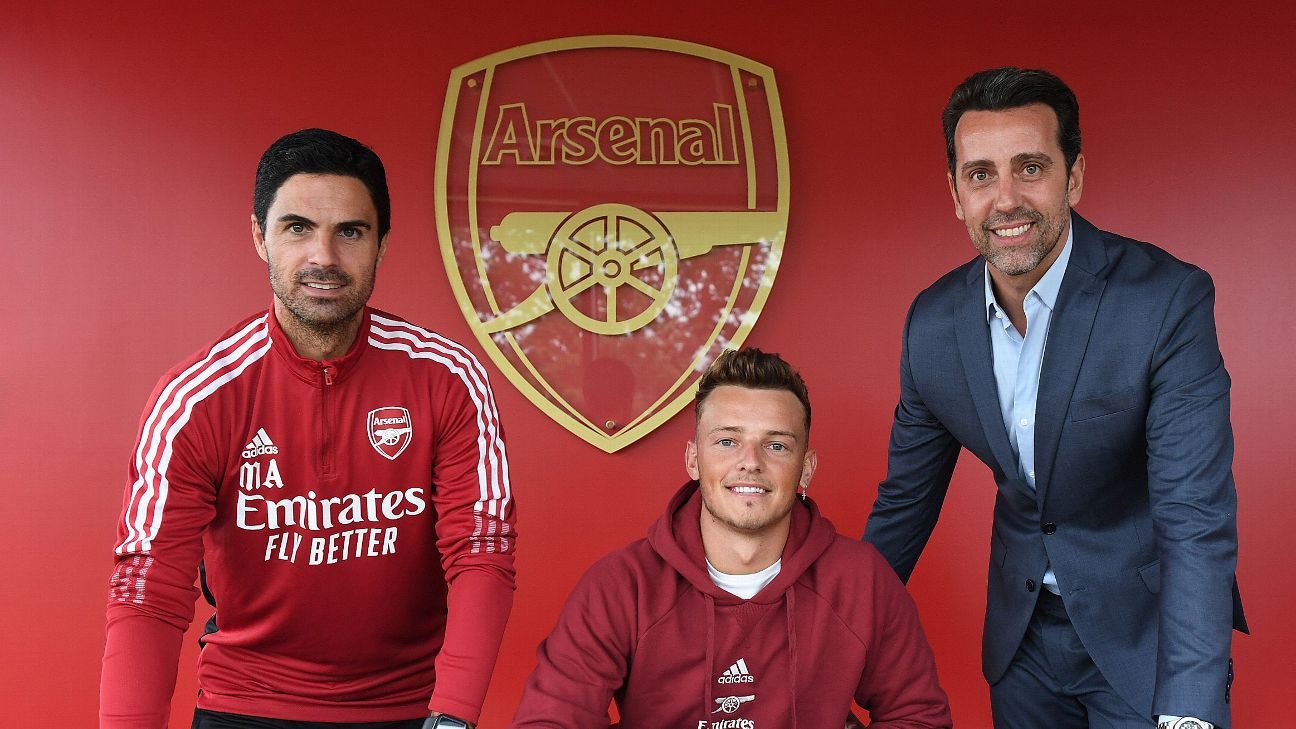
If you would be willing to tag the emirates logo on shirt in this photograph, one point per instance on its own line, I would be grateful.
(390, 431)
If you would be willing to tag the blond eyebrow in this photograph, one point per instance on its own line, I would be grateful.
(740, 429)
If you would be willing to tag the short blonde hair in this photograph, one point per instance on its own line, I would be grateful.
(751, 368)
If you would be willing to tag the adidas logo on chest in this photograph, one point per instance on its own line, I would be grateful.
(736, 673)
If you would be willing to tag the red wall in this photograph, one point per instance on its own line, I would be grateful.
(128, 139)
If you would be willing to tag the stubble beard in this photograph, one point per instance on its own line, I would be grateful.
(754, 520)
(322, 319)
(1020, 260)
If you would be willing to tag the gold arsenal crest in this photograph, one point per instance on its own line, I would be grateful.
(612, 212)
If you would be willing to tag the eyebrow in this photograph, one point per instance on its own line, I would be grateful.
(740, 429)
(1032, 157)
(295, 218)
(1018, 159)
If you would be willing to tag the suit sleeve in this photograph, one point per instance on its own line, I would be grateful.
(920, 461)
(586, 658)
(476, 537)
(168, 503)
(899, 686)
(1194, 506)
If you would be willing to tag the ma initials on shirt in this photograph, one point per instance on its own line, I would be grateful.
(250, 476)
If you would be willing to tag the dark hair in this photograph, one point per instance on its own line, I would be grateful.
(997, 89)
(754, 369)
(319, 151)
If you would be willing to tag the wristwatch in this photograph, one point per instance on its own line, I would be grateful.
(445, 721)
(1187, 722)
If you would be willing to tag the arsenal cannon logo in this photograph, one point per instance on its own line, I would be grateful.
(612, 212)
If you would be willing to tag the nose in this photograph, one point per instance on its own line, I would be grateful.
(750, 457)
(322, 250)
(1007, 195)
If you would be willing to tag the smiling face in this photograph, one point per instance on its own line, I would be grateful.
(750, 454)
(1012, 191)
(322, 249)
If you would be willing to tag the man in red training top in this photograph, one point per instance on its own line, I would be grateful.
(338, 473)
(743, 608)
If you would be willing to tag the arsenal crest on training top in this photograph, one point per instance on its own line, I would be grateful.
(612, 212)
(390, 431)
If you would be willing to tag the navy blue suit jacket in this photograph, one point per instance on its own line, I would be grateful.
(1134, 506)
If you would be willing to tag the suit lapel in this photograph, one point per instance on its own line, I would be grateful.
(973, 337)
(1068, 338)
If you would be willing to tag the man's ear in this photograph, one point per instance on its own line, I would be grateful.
(382, 248)
(690, 460)
(258, 240)
(1075, 181)
(808, 467)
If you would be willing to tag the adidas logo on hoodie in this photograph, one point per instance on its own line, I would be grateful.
(737, 673)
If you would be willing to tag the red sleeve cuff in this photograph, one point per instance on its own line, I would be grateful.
(139, 671)
(478, 606)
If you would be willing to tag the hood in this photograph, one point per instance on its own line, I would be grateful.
(677, 538)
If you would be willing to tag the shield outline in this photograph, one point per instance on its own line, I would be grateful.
(408, 437)
(642, 425)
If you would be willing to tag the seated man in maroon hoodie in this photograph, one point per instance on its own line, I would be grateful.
(743, 609)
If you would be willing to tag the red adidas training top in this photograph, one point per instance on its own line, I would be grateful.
(339, 508)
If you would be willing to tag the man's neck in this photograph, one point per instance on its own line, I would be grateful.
(315, 343)
(741, 553)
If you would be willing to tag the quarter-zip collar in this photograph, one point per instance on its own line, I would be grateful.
(315, 372)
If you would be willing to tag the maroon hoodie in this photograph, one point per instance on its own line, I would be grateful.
(647, 627)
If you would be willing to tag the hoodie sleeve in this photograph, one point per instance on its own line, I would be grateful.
(587, 656)
(899, 687)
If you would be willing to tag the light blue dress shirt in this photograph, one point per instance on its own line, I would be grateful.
(1017, 362)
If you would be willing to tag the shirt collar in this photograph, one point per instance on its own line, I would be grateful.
(1046, 288)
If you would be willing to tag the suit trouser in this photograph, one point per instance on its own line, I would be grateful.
(1052, 682)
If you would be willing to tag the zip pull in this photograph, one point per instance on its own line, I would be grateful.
(328, 375)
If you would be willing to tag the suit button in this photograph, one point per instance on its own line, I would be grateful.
(1030, 585)
(1049, 527)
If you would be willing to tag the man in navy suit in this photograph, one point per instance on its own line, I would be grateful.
(1083, 369)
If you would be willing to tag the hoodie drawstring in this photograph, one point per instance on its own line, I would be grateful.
(707, 699)
(789, 602)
